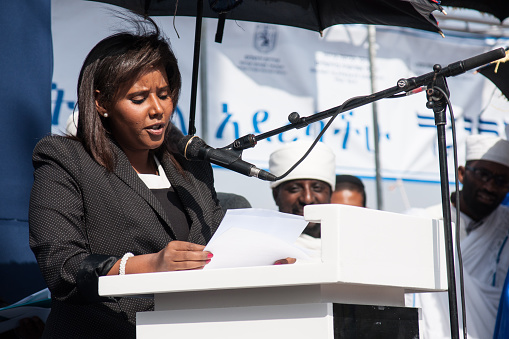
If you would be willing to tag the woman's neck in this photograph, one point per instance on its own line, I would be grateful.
(142, 163)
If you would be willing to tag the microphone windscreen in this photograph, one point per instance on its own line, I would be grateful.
(189, 146)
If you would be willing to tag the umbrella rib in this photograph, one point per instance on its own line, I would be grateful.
(196, 61)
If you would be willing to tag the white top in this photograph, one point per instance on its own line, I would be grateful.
(154, 181)
(485, 254)
(311, 245)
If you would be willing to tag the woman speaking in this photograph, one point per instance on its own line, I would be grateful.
(117, 198)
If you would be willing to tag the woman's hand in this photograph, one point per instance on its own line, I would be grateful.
(285, 261)
(176, 256)
(181, 255)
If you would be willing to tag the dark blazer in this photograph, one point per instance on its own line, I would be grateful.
(231, 201)
(83, 219)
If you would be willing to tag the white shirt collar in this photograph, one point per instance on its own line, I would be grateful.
(154, 181)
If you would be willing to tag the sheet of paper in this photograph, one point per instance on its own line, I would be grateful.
(255, 237)
(37, 304)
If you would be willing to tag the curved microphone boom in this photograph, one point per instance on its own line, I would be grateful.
(194, 148)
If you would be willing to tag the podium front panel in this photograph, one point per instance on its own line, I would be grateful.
(300, 321)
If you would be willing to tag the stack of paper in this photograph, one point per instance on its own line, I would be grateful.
(255, 237)
(37, 304)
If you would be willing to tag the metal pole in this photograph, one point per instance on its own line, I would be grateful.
(196, 64)
(204, 85)
(438, 102)
(376, 132)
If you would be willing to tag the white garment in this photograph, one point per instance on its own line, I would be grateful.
(311, 245)
(156, 181)
(435, 212)
(485, 261)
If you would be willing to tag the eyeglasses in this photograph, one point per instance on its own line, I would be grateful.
(485, 175)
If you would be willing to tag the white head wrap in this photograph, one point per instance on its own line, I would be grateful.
(320, 164)
(71, 126)
(487, 147)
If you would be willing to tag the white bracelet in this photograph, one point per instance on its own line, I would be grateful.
(123, 262)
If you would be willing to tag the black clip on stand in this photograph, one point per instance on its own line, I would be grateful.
(437, 102)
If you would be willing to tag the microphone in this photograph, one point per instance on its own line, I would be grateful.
(194, 148)
(451, 70)
(462, 66)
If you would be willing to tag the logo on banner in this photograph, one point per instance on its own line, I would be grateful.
(265, 38)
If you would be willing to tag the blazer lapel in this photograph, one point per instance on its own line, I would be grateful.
(125, 172)
(190, 197)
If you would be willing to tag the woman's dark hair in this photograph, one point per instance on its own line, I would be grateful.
(113, 66)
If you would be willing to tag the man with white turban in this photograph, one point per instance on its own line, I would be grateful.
(484, 230)
(312, 182)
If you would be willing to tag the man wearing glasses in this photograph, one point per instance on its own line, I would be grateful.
(484, 232)
(311, 182)
(485, 179)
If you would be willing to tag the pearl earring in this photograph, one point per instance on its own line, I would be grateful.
(105, 114)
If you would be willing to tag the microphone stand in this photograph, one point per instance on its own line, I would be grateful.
(437, 102)
(438, 106)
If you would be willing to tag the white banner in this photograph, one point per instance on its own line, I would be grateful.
(261, 73)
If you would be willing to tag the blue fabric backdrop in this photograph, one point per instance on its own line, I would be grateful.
(25, 92)
(502, 325)
(506, 200)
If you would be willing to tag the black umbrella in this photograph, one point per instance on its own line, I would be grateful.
(497, 8)
(309, 14)
(498, 73)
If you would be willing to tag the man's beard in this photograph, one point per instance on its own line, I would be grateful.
(478, 209)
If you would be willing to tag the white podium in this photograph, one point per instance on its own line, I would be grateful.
(369, 257)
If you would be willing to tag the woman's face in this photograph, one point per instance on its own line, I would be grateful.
(139, 118)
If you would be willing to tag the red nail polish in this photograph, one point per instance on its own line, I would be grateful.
(277, 263)
(206, 262)
(210, 255)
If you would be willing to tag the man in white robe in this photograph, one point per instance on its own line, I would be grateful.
(484, 230)
(311, 182)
